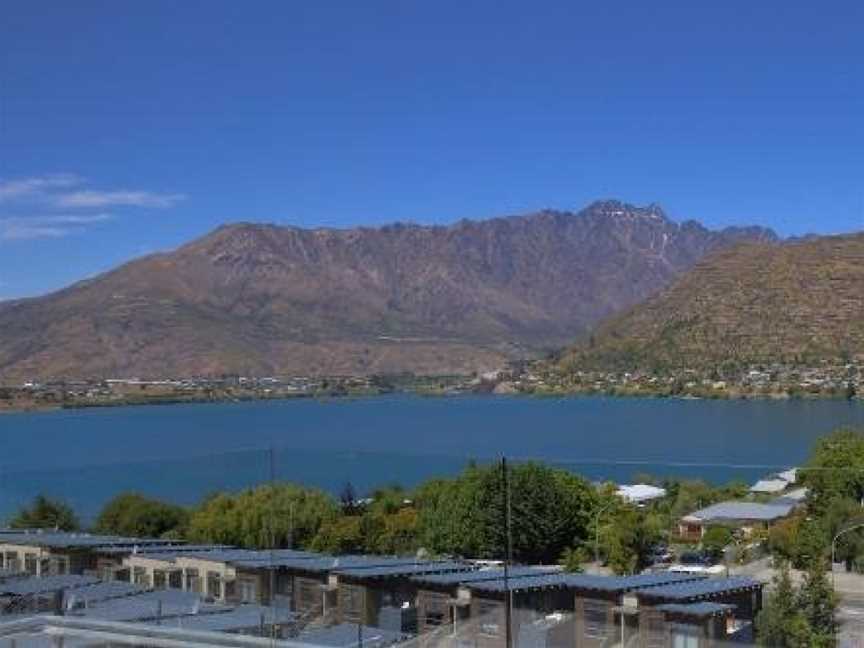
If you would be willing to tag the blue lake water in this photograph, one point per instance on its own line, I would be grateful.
(183, 452)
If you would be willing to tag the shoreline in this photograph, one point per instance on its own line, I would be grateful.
(33, 407)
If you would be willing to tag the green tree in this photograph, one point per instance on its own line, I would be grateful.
(274, 515)
(629, 538)
(339, 535)
(46, 513)
(573, 558)
(715, 540)
(818, 603)
(801, 617)
(836, 469)
(132, 514)
(780, 624)
(550, 511)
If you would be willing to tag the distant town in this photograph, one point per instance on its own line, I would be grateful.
(775, 381)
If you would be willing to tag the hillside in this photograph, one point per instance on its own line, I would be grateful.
(795, 303)
(264, 299)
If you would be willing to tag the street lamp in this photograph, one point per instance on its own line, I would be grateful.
(858, 525)
(597, 530)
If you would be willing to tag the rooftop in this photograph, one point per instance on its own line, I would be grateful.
(460, 578)
(68, 540)
(346, 635)
(742, 511)
(701, 589)
(44, 585)
(408, 569)
(618, 584)
(700, 609)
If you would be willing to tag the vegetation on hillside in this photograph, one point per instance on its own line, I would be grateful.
(797, 304)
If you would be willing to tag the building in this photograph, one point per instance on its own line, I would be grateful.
(775, 483)
(746, 516)
(551, 609)
(40, 552)
(640, 493)
(698, 614)
(385, 596)
(443, 600)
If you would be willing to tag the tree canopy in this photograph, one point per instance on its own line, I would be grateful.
(132, 514)
(550, 512)
(46, 513)
(274, 515)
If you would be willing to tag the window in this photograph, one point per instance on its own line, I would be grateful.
(685, 636)
(489, 615)
(214, 585)
(30, 563)
(596, 616)
(351, 603)
(193, 581)
(308, 594)
(248, 591)
(436, 611)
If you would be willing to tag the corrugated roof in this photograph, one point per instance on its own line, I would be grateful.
(62, 539)
(232, 556)
(101, 591)
(701, 609)
(165, 549)
(460, 578)
(408, 569)
(742, 511)
(244, 617)
(584, 582)
(325, 564)
(45, 584)
(346, 635)
(150, 605)
(704, 588)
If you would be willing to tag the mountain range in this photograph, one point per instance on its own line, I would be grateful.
(801, 302)
(258, 299)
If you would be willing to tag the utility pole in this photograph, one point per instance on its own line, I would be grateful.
(508, 558)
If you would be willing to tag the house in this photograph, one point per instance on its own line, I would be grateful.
(41, 552)
(551, 609)
(443, 600)
(746, 516)
(703, 613)
(640, 493)
(234, 575)
(385, 596)
(776, 483)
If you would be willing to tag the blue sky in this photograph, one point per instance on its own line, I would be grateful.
(130, 127)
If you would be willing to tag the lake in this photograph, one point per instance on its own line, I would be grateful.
(182, 452)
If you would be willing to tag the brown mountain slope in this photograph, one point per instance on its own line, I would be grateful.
(797, 302)
(262, 299)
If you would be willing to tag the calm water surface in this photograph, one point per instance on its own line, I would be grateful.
(182, 452)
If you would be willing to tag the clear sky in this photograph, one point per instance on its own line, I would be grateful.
(130, 127)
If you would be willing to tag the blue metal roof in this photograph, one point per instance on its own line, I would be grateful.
(232, 556)
(583, 582)
(324, 564)
(704, 588)
(44, 585)
(475, 576)
(701, 609)
(101, 591)
(70, 540)
(231, 619)
(346, 635)
(150, 605)
(408, 569)
(745, 511)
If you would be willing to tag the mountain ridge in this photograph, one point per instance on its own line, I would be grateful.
(797, 303)
(268, 299)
